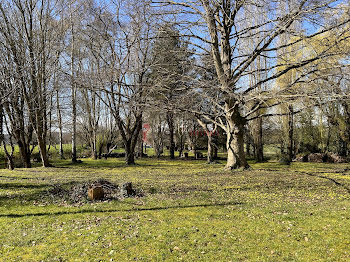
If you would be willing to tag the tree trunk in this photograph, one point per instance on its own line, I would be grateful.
(211, 143)
(59, 118)
(290, 133)
(247, 143)
(10, 163)
(93, 145)
(25, 154)
(43, 152)
(341, 146)
(170, 120)
(259, 151)
(9, 156)
(130, 139)
(210, 157)
(74, 93)
(235, 138)
(74, 126)
(181, 149)
(129, 155)
(215, 153)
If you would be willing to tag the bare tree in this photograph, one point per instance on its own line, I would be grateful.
(221, 29)
(123, 45)
(28, 34)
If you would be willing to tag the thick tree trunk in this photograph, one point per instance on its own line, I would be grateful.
(25, 154)
(129, 155)
(170, 120)
(235, 150)
(235, 138)
(130, 139)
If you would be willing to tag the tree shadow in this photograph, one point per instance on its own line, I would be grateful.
(59, 213)
(21, 185)
(329, 179)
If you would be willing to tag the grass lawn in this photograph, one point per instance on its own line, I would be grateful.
(191, 211)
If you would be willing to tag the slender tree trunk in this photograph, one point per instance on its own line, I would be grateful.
(170, 120)
(181, 146)
(346, 139)
(2, 139)
(74, 126)
(211, 140)
(95, 146)
(247, 143)
(1, 124)
(9, 156)
(215, 153)
(73, 95)
(43, 152)
(59, 118)
(259, 152)
(210, 154)
(290, 133)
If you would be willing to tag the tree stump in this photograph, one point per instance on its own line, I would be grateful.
(95, 192)
(126, 190)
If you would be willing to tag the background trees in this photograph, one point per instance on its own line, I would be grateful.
(98, 71)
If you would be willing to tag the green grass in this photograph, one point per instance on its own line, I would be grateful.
(191, 211)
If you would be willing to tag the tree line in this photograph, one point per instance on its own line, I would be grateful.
(258, 71)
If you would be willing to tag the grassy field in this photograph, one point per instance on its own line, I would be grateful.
(191, 211)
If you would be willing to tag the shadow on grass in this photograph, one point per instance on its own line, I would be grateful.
(117, 210)
(22, 186)
(330, 179)
(16, 178)
(120, 163)
(96, 164)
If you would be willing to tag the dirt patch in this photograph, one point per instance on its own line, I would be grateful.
(77, 192)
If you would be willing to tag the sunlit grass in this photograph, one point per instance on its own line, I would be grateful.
(191, 211)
